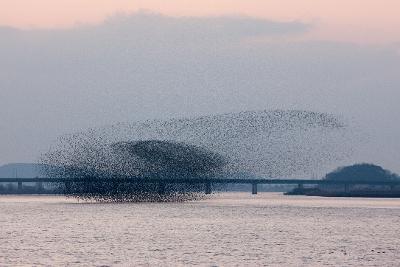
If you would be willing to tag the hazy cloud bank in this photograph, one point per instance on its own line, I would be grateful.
(146, 66)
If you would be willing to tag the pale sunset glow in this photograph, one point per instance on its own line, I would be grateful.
(359, 21)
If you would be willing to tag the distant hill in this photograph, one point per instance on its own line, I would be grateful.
(20, 170)
(362, 172)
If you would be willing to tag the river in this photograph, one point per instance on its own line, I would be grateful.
(228, 229)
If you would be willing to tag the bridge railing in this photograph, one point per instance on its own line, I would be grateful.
(207, 181)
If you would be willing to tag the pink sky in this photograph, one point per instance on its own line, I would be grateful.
(361, 21)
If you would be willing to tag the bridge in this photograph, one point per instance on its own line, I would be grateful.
(208, 182)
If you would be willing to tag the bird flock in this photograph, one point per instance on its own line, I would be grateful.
(118, 163)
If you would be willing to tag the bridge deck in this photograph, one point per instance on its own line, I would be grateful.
(200, 180)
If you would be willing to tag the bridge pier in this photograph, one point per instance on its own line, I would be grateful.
(254, 189)
(67, 188)
(161, 188)
(39, 186)
(208, 188)
(346, 188)
(19, 186)
(68, 185)
(300, 186)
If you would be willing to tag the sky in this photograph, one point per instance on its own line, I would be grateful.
(70, 65)
(361, 21)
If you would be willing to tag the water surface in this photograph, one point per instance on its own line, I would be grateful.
(230, 229)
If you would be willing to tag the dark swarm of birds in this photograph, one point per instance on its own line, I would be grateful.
(144, 161)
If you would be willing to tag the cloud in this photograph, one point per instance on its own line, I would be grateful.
(197, 28)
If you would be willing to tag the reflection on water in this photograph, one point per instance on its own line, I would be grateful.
(231, 229)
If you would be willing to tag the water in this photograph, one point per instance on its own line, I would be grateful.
(231, 229)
